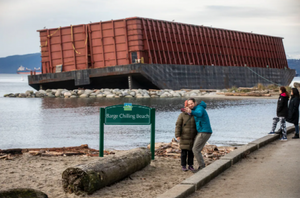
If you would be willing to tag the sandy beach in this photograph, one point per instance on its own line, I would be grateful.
(41, 169)
(44, 174)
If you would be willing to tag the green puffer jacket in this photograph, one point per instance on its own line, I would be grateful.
(186, 133)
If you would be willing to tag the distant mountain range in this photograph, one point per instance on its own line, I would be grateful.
(294, 64)
(10, 64)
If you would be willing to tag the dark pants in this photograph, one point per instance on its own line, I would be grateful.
(189, 154)
(296, 129)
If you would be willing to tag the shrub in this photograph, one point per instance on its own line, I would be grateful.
(234, 88)
(260, 86)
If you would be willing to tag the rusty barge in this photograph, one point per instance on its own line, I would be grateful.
(147, 53)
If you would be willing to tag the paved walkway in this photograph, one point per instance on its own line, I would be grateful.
(272, 171)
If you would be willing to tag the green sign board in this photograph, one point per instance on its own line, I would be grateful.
(127, 114)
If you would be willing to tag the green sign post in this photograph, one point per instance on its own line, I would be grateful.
(127, 114)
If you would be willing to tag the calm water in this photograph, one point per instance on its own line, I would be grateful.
(58, 122)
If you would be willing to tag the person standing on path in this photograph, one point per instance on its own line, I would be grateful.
(293, 115)
(282, 113)
(203, 128)
(186, 132)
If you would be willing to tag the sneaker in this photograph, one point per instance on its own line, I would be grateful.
(184, 168)
(295, 137)
(271, 133)
(191, 168)
(200, 167)
(283, 139)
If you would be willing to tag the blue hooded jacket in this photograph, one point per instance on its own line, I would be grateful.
(201, 118)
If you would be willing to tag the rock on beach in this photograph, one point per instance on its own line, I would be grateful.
(130, 93)
(110, 93)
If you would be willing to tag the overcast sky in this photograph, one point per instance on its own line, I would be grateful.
(19, 19)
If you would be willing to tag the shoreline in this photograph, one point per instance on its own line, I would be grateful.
(245, 93)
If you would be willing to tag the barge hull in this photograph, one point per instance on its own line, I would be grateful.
(163, 76)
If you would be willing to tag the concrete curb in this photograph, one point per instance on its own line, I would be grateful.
(199, 179)
(179, 191)
(205, 175)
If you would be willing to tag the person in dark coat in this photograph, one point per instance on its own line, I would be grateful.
(293, 114)
(186, 132)
(282, 113)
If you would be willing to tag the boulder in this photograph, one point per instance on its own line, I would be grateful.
(100, 95)
(68, 94)
(39, 95)
(98, 92)
(88, 91)
(83, 96)
(193, 94)
(50, 95)
(58, 93)
(146, 96)
(42, 92)
(110, 96)
(22, 95)
(54, 91)
(28, 93)
(132, 93)
(176, 94)
(80, 92)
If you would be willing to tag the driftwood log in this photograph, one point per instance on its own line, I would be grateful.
(87, 178)
(23, 193)
(11, 151)
(209, 152)
(247, 94)
(62, 151)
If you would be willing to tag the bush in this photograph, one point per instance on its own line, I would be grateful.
(234, 88)
(273, 87)
(260, 86)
